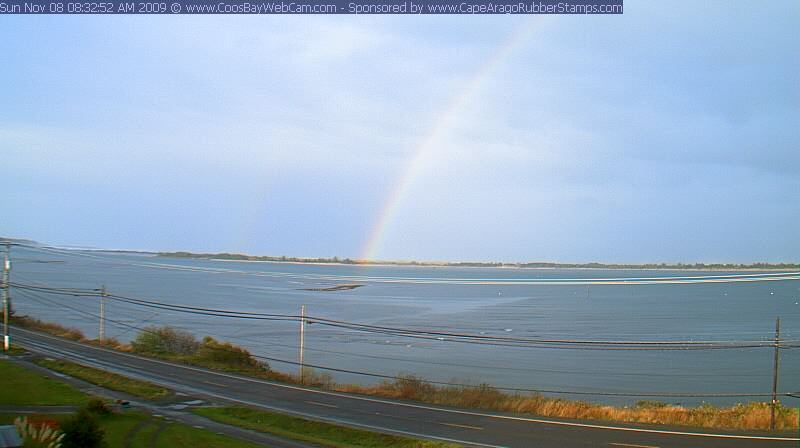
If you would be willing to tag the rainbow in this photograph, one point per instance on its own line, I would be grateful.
(421, 155)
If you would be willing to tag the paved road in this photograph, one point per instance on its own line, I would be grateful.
(470, 428)
(167, 409)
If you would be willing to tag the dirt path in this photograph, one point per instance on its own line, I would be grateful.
(157, 433)
(131, 435)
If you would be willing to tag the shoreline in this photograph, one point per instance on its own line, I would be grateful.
(433, 265)
(335, 261)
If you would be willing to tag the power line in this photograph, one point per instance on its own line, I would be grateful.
(470, 365)
(494, 367)
(353, 325)
(464, 385)
(426, 334)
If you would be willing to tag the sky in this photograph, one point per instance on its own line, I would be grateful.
(668, 134)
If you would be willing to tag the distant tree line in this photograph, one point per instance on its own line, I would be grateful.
(706, 266)
(243, 257)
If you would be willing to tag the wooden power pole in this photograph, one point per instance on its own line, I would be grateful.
(302, 344)
(775, 373)
(101, 333)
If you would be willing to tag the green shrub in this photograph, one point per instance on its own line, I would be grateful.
(98, 407)
(226, 355)
(165, 341)
(651, 404)
(82, 431)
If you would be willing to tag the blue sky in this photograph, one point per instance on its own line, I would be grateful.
(666, 134)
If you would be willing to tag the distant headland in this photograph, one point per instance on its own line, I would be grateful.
(481, 264)
(758, 266)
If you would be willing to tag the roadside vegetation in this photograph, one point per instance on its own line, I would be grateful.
(65, 332)
(47, 327)
(182, 346)
(20, 386)
(754, 415)
(94, 424)
(106, 379)
(310, 431)
(16, 350)
(93, 429)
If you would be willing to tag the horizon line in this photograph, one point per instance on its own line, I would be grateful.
(429, 262)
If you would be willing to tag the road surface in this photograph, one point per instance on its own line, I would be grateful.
(472, 428)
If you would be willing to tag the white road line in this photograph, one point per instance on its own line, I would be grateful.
(71, 355)
(633, 445)
(419, 406)
(215, 384)
(478, 428)
(321, 404)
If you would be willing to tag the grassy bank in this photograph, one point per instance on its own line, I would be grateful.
(65, 332)
(140, 430)
(754, 415)
(310, 431)
(47, 327)
(106, 379)
(181, 346)
(15, 350)
(20, 386)
(136, 429)
(23, 387)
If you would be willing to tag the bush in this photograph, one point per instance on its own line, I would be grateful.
(411, 387)
(482, 396)
(112, 343)
(227, 355)
(98, 407)
(651, 404)
(165, 341)
(82, 431)
(315, 379)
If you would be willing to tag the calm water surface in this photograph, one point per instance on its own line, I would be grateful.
(707, 311)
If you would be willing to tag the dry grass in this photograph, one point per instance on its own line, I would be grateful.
(67, 332)
(751, 416)
(48, 327)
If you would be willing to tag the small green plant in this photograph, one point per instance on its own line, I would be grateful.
(39, 435)
(651, 404)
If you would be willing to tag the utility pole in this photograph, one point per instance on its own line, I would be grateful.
(102, 328)
(775, 374)
(6, 307)
(302, 343)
